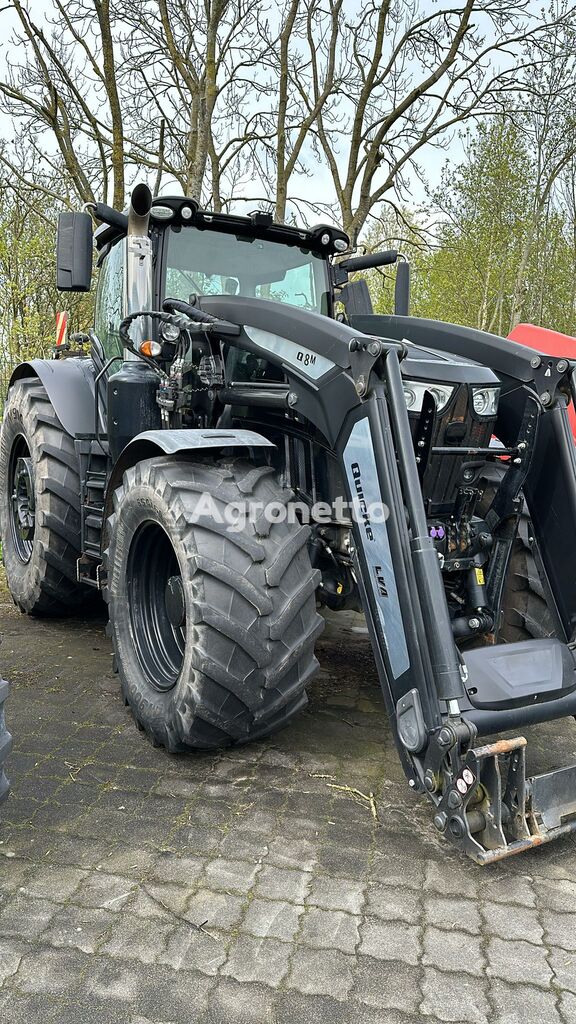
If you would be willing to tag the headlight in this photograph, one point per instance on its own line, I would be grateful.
(169, 332)
(414, 392)
(485, 401)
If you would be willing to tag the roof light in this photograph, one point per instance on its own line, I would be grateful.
(325, 238)
(162, 213)
(186, 213)
(340, 244)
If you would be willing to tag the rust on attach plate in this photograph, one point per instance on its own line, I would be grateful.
(500, 747)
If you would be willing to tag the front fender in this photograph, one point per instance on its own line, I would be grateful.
(70, 387)
(171, 442)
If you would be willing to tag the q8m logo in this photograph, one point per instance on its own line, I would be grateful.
(307, 358)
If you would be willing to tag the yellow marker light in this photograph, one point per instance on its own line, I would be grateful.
(150, 349)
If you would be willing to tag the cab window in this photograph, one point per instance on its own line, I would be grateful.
(109, 301)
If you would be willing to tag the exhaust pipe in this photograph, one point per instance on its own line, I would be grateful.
(402, 288)
(139, 290)
(139, 210)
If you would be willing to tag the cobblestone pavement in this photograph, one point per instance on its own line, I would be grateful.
(245, 886)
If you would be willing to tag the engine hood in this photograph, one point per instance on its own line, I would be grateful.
(424, 363)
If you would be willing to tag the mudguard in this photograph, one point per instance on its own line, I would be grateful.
(171, 442)
(70, 387)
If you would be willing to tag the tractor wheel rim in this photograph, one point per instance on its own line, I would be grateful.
(22, 499)
(156, 606)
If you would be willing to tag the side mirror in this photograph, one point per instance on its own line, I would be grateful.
(74, 252)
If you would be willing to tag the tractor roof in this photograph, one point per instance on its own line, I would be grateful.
(182, 212)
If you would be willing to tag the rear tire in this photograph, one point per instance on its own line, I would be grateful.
(5, 742)
(213, 630)
(525, 613)
(39, 504)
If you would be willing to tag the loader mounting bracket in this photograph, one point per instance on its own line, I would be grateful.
(490, 810)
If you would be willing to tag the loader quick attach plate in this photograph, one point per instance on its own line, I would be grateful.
(492, 811)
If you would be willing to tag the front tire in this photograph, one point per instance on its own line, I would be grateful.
(39, 504)
(213, 630)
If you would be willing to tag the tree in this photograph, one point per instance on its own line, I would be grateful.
(494, 261)
(236, 97)
(28, 297)
(414, 74)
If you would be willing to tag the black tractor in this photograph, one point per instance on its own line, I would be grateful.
(240, 440)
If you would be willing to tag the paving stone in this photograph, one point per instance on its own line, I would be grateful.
(256, 959)
(281, 884)
(445, 912)
(235, 875)
(518, 962)
(560, 929)
(393, 904)
(115, 980)
(440, 877)
(13, 873)
(389, 985)
(81, 927)
(182, 870)
(336, 894)
(397, 865)
(162, 901)
(240, 1004)
(189, 948)
(134, 938)
(293, 1007)
(153, 993)
(127, 862)
(11, 953)
(316, 972)
(284, 852)
(523, 1004)
(520, 923)
(568, 1006)
(273, 918)
(51, 971)
(54, 883)
(25, 917)
(558, 895)
(390, 940)
(108, 892)
(330, 929)
(563, 965)
(453, 951)
(82, 1012)
(454, 997)
(508, 888)
(344, 862)
(244, 845)
(214, 909)
(19, 1008)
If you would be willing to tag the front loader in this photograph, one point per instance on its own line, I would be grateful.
(240, 440)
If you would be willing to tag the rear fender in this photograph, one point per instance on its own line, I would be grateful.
(176, 442)
(69, 384)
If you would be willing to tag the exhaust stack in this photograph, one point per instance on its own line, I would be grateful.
(138, 264)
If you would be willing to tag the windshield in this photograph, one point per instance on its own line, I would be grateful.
(214, 263)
